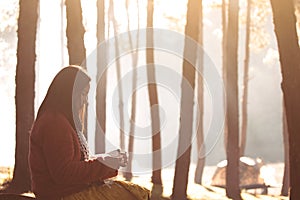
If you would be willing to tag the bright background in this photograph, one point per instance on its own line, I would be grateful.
(265, 98)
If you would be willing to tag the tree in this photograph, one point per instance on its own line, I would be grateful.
(118, 68)
(134, 58)
(245, 82)
(75, 33)
(286, 174)
(289, 53)
(232, 171)
(224, 62)
(24, 99)
(75, 36)
(101, 80)
(200, 100)
(186, 107)
(153, 99)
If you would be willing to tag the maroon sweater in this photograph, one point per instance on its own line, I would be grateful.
(55, 159)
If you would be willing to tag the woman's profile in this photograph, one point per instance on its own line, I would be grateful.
(60, 164)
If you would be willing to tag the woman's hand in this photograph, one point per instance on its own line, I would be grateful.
(110, 174)
(122, 156)
(111, 162)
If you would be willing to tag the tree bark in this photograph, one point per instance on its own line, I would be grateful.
(134, 58)
(286, 174)
(25, 93)
(118, 69)
(245, 81)
(289, 54)
(200, 100)
(232, 169)
(75, 33)
(75, 36)
(153, 100)
(186, 107)
(101, 80)
(224, 62)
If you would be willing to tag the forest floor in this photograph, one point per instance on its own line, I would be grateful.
(273, 177)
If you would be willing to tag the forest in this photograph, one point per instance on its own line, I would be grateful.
(203, 96)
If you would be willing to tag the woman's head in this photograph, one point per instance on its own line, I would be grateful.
(67, 93)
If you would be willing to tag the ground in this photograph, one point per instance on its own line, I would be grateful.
(195, 191)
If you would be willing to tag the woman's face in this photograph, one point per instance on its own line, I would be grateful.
(81, 101)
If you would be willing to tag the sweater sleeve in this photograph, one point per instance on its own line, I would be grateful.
(64, 165)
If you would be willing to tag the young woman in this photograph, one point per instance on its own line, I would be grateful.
(60, 165)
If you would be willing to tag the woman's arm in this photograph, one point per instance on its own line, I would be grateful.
(63, 157)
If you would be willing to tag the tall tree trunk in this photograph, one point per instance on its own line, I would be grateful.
(200, 136)
(118, 66)
(224, 62)
(286, 174)
(134, 57)
(75, 33)
(186, 109)
(232, 172)
(101, 80)
(75, 36)
(200, 100)
(25, 93)
(245, 81)
(153, 99)
(289, 53)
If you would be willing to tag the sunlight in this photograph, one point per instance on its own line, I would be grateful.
(8, 21)
(265, 95)
(268, 174)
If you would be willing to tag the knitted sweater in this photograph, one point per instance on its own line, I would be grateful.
(57, 169)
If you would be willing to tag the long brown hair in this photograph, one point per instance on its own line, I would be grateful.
(59, 97)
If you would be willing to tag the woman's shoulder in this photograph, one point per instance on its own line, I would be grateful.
(53, 116)
(52, 119)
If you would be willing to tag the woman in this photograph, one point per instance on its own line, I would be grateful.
(59, 159)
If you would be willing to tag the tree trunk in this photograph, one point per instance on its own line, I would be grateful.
(200, 100)
(200, 136)
(286, 174)
(75, 36)
(232, 172)
(75, 33)
(245, 81)
(134, 57)
(153, 99)
(25, 93)
(289, 53)
(101, 80)
(118, 66)
(186, 109)
(224, 62)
